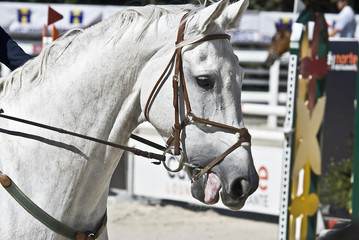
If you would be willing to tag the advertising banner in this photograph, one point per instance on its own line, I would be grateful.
(29, 18)
(340, 89)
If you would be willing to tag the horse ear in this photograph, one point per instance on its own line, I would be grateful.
(210, 14)
(230, 17)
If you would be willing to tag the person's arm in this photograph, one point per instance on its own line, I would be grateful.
(11, 54)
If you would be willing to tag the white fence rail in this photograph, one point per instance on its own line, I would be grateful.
(264, 103)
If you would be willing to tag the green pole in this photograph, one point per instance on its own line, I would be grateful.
(355, 186)
(320, 86)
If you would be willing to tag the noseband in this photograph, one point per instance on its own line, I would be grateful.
(244, 138)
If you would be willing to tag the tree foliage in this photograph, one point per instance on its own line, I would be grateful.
(336, 184)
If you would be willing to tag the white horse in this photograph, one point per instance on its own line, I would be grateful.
(97, 82)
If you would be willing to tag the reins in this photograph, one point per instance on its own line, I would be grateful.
(45, 218)
(112, 144)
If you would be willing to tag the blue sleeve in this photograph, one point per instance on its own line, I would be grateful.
(11, 54)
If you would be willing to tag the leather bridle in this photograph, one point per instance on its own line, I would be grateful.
(244, 138)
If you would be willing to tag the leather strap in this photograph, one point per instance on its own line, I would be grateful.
(45, 218)
(216, 124)
(244, 137)
(112, 144)
(214, 37)
(175, 84)
(155, 88)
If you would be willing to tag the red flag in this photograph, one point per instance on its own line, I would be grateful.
(53, 16)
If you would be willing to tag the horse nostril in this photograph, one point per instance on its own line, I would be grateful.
(237, 187)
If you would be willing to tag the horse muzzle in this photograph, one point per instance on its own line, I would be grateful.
(226, 181)
(238, 192)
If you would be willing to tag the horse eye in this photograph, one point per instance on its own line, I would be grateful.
(205, 82)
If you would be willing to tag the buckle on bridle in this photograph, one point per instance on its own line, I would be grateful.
(190, 116)
(180, 161)
(244, 142)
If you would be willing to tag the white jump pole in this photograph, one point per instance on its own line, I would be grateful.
(263, 110)
(273, 92)
(287, 148)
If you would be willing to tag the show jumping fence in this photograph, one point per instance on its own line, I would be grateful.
(316, 89)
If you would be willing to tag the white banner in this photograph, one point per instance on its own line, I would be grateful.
(154, 181)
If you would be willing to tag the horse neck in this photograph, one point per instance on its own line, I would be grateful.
(89, 86)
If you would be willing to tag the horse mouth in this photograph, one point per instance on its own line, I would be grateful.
(210, 189)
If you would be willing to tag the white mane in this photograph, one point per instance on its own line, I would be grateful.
(151, 13)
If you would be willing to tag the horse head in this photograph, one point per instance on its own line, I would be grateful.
(280, 41)
(209, 106)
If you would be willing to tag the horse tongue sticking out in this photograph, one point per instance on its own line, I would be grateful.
(213, 185)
